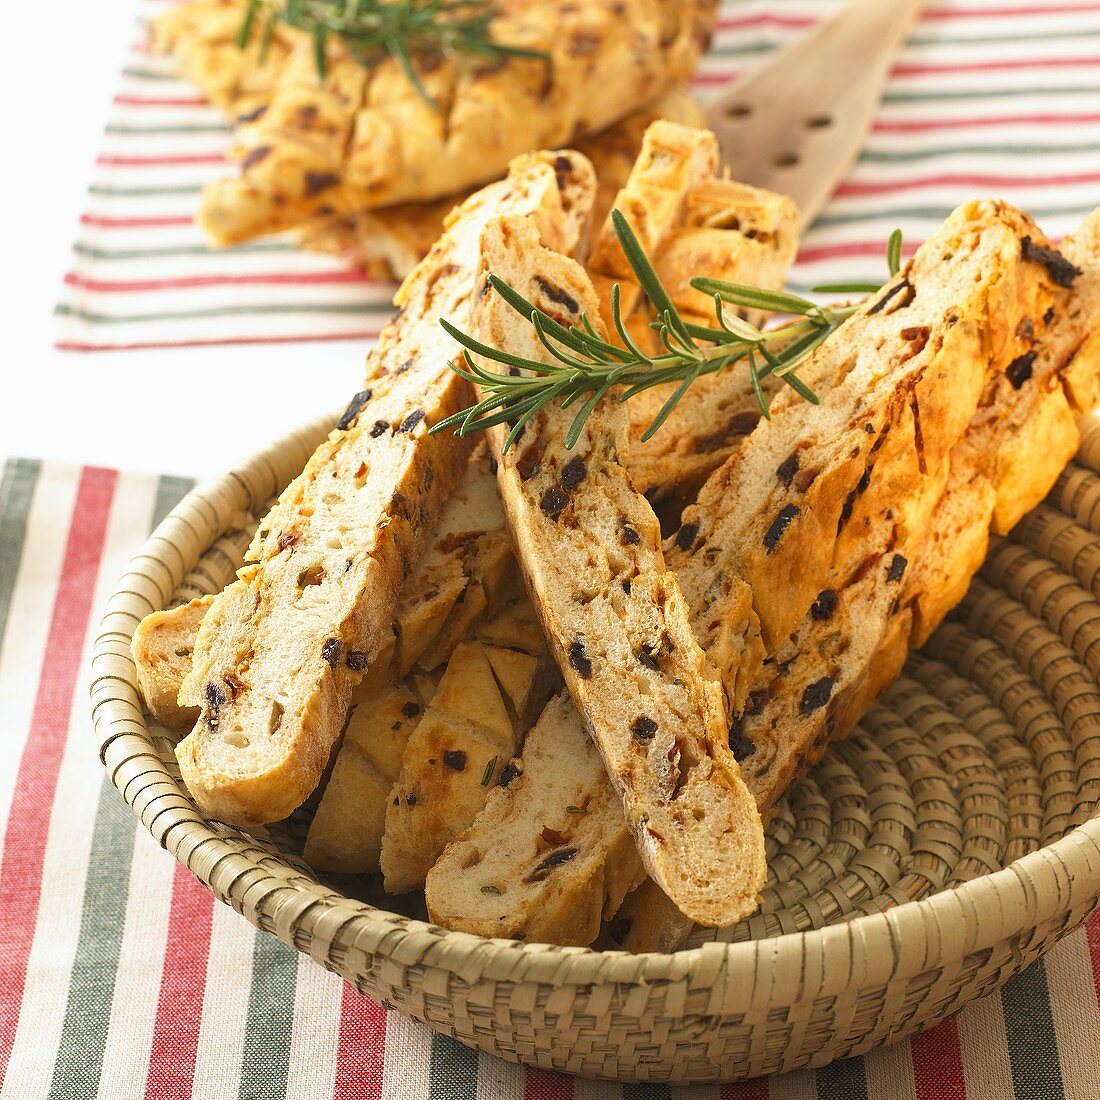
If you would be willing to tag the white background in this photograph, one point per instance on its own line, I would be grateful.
(58, 72)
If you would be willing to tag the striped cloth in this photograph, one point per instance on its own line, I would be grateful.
(990, 97)
(121, 978)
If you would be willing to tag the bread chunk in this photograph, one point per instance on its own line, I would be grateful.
(281, 649)
(345, 835)
(589, 547)
(691, 222)
(162, 647)
(551, 855)
(456, 754)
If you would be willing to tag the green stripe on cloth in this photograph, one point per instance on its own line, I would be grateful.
(16, 493)
(105, 192)
(1032, 1044)
(844, 1080)
(366, 309)
(1020, 92)
(95, 252)
(937, 214)
(266, 1059)
(453, 1070)
(76, 1072)
(638, 1091)
(167, 128)
(1006, 149)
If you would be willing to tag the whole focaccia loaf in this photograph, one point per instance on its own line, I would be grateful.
(589, 547)
(796, 556)
(281, 649)
(358, 137)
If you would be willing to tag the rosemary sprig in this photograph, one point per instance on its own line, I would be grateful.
(587, 366)
(375, 29)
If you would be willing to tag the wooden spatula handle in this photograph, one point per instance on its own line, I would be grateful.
(796, 123)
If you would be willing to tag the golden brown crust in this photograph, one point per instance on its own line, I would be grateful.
(162, 647)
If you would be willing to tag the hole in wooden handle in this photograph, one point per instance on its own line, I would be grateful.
(786, 160)
(738, 110)
(819, 122)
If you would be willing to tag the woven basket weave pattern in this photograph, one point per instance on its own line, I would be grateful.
(969, 790)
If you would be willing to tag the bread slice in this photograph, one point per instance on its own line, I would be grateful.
(281, 649)
(646, 921)
(691, 222)
(364, 138)
(815, 528)
(345, 836)
(589, 546)
(456, 754)
(162, 647)
(551, 855)
(390, 241)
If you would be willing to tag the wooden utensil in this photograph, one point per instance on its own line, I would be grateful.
(796, 123)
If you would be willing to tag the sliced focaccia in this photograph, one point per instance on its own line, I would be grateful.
(550, 855)
(448, 766)
(361, 137)
(281, 649)
(691, 223)
(345, 836)
(390, 241)
(162, 647)
(589, 546)
(796, 556)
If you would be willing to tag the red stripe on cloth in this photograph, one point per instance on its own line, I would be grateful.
(541, 1084)
(182, 985)
(36, 783)
(1092, 936)
(937, 1063)
(190, 282)
(919, 125)
(160, 101)
(161, 161)
(756, 1089)
(964, 179)
(999, 66)
(360, 1048)
(101, 222)
(225, 341)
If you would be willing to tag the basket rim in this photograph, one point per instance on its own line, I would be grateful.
(912, 937)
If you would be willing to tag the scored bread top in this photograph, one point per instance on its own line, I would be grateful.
(282, 647)
(589, 546)
(389, 241)
(361, 138)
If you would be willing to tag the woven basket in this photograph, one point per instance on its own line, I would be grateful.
(943, 847)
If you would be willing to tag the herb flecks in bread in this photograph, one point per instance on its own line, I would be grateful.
(282, 648)
(589, 546)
